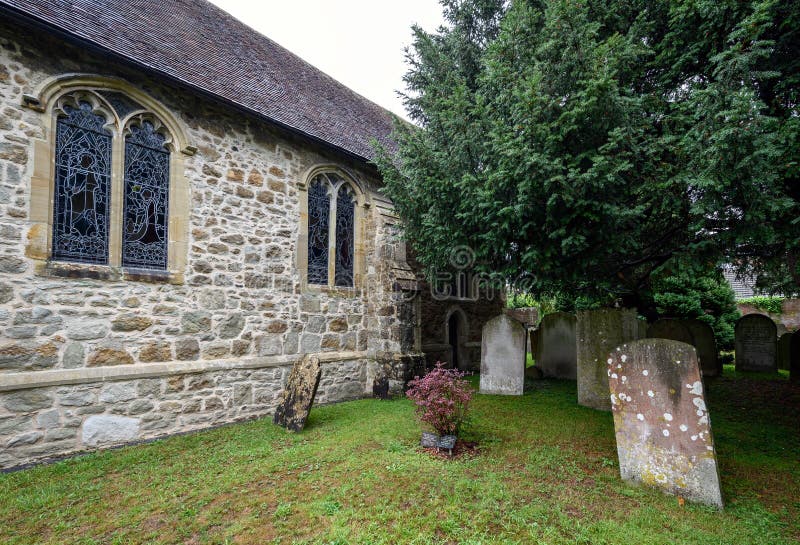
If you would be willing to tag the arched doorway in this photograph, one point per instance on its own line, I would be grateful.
(456, 331)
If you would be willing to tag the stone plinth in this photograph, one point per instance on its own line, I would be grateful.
(503, 356)
(756, 341)
(598, 333)
(661, 420)
(298, 396)
(557, 356)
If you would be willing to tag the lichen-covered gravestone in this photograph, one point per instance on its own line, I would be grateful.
(756, 343)
(661, 420)
(298, 395)
(706, 345)
(503, 345)
(598, 332)
(670, 328)
(557, 355)
(784, 351)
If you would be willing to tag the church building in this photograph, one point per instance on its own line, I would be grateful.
(185, 209)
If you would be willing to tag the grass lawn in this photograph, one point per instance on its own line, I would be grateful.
(546, 473)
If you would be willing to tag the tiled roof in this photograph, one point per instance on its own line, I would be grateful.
(204, 47)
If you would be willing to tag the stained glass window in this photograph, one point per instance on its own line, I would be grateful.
(345, 231)
(83, 173)
(144, 235)
(319, 209)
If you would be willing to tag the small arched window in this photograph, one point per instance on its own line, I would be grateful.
(331, 230)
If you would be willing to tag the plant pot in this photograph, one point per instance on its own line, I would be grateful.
(429, 440)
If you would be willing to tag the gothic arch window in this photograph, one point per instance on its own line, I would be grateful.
(108, 187)
(331, 229)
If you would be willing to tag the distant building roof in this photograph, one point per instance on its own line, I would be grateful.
(742, 287)
(204, 47)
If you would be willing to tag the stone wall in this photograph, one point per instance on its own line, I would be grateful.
(787, 321)
(240, 298)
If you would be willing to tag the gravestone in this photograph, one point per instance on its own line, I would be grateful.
(661, 420)
(557, 351)
(706, 345)
(528, 316)
(298, 395)
(756, 343)
(784, 351)
(380, 388)
(794, 358)
(503, 348)
(598, 332)
(534, 336)
(642, 333)
(669, 328)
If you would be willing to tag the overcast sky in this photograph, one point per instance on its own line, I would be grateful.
(358, 42)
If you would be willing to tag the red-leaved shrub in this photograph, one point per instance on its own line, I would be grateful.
(442, 398)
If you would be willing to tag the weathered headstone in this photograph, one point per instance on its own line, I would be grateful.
(598, 332)
(298, 395)
(503, 345)
(380, 388)
(670, 328)
(784, 351)
(557, 351)
(794, 358)
(756, 342)
(661, 420)
(706, 345)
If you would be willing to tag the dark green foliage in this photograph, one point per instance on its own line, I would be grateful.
(773, 305)
(589, 143)
(682, 291)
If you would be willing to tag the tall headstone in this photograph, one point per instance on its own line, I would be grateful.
(661, 420)
(794, 358)
(670, 328)
(298, 395)
(557, 351)
(503, 345)
(706, 345)
(784, 351)
(598, 332)
(756, 342)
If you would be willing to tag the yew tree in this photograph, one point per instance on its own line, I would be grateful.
(593, 143)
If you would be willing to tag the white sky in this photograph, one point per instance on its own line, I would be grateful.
(358, 42)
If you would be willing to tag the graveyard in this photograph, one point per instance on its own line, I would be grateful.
(546, 471)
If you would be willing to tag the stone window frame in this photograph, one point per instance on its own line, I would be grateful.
(360, 214)
(47, 100)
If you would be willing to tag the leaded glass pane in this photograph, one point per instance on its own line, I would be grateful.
(345, 235)
(319, 210)
(83, 173)
(144, 236)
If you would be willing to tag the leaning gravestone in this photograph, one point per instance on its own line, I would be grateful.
(794, 358)
(706, 345)
(784, 348)
(756, 343)
(598, 332)
(503, 345)
(661, 420)
(298, 396)
(557, 352)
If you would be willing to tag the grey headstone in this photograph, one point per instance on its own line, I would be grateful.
(705, 344)
(784, 351)
(298, 395)
(669, 328)
(794, 358)
(598, 332)
(661, 420)
(557, 354)
(756, 342)
(104, 429)
(503, 345)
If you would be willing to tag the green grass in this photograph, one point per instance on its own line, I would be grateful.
(546, 474)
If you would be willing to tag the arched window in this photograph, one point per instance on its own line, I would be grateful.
(331, 230)
(146, 208)
(82, 183)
